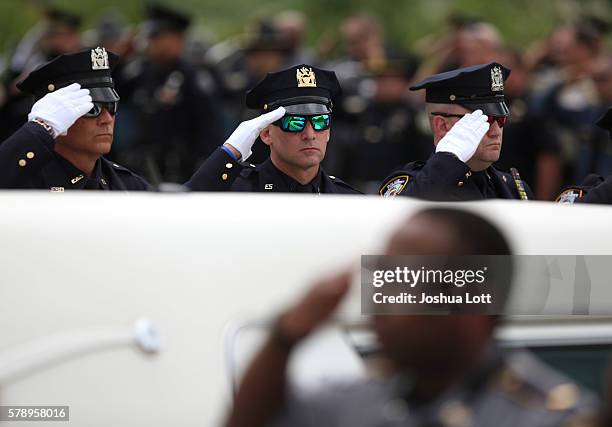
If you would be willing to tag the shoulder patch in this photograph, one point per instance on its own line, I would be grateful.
(569, 196)
(394, 186)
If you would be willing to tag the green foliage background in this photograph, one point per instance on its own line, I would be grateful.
(405, 21)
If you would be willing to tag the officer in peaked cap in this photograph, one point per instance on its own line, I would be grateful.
(297, 104)
(69, 128)
(160, 19)
(594, 188)
(173, 120)
(467, 113)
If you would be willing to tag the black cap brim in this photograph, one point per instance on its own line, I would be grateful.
(307, 109)
(103, 94)
(496, 109)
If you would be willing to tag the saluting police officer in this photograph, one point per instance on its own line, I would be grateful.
(70, 128)
(442, 370)
(467, 113)
(594, 188)
(297, 130)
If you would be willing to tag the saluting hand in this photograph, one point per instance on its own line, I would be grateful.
(313, 310)
(60, 109)
(463, 138)
(243, 138)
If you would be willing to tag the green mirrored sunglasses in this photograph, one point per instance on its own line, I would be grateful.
(297, 123)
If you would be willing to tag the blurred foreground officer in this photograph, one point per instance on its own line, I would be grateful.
(70, 127)
(467, 113)
(445, 370)
(594, 188)
(297, 131)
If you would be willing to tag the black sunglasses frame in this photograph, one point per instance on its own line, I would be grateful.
(111, 107)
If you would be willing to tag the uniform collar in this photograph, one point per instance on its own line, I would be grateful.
(79, 179)
(292, 185)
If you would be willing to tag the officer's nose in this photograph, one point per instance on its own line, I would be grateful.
(308, 133)
(105, 117)
(494, 130)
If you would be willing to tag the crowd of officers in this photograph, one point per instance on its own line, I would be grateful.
(182, 96)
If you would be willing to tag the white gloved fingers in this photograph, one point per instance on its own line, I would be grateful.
(267, 119)
(243, 138)
(482, 129)
(80, 93)
(72, 88)
(273, 116)
(83, 107)
(81, 100)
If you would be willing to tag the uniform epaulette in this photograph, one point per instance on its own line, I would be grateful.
(338, 181)
(120, 168)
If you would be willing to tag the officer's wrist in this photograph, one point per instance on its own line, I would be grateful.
(237, 155)
(46, 126)
(280, 338)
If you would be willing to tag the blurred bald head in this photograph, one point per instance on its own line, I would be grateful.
(422, 343)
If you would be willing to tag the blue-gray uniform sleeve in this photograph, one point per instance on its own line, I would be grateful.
(217, 173)
(437, 178)
(24, 154)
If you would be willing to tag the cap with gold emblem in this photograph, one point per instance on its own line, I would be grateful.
(90, 68)
(301, 89)
(477, 87)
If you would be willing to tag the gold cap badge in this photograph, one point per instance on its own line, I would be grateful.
(305, 77)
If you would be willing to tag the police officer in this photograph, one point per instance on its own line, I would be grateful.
(169, 123)
(70, 128)
(594, 188)
(467, 113)
(443, 370)
(297, 131)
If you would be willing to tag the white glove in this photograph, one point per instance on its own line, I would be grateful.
(60, 109)
(463, 138)
(243, 138)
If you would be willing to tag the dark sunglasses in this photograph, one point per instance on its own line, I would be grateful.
(501, 120)
(297, 123)
(111, 107)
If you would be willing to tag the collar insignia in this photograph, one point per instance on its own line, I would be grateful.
(77, 179)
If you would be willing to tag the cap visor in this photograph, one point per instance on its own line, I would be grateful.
(490, 108)
(307, 109)
(103, 94)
